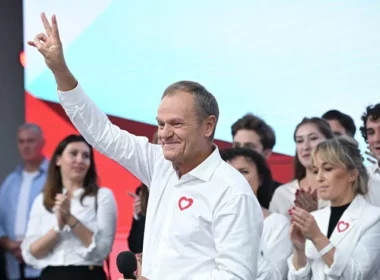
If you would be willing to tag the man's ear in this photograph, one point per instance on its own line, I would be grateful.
(267, 153)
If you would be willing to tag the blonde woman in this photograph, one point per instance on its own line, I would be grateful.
(341, 241)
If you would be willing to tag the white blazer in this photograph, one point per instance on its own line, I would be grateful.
(357, 246)
(275, 248)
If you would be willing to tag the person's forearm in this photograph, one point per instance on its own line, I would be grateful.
(82, 232)
(321, 242)
(40, 248)
(65, 80)
(299, 259)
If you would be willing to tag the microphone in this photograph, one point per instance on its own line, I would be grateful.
(127, 264)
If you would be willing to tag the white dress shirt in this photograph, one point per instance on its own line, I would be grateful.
(373, 195)
(205, 225)
(284, 197)
(275, 248)
(69, 250)
(23, 205)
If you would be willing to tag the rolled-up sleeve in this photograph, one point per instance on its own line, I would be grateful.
(105, 228)
(364, 260)
(237, 229)
(303, 273)
(134, 153)
(33, 233)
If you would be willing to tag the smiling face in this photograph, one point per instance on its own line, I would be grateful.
(74, 161)
(335, 182)
(373, 136)
(307, 138)
(182, 133)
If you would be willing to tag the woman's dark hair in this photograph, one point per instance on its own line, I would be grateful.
(143, 192)
(324, 128)
(53, 184)
(263, 170)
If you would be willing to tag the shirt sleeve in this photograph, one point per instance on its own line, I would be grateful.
(2, 210)
(302, 274)
(278, 248)
(237, 229)
(364, 260)
(33, 233)
(104, 233)
(134, 153)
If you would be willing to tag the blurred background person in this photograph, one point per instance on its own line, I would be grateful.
(340, 123)
(140, 205)
(370, 131)
(275, 245)
(73, 222)
(341, 241)
(254, 133)
(17, 194)
(302, 191)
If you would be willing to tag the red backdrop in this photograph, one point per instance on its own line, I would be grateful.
(56, 126)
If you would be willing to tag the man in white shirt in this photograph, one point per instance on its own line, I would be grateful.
(203, 221)
(371, 134)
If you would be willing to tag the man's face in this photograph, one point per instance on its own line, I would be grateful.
(373, 136)
(29, 144)
(337, 128)
(247, 138)
(180, 131)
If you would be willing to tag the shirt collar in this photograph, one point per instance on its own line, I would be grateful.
(205, 170)
(43, 166)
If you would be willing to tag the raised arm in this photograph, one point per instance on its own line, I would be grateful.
(134, 153)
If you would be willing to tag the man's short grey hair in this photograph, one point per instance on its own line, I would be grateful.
(205, 102)
(32, 126)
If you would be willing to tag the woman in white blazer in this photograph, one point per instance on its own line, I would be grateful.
(307, 135)
(275, 245)
(341, 241)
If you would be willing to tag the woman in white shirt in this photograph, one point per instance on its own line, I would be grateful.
(341, 241)
(72, 223)
(275, 245)
(302, 190)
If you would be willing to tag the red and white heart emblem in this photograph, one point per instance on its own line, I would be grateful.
(342, 226)
(184, 203)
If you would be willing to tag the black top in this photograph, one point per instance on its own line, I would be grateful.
(336, 214)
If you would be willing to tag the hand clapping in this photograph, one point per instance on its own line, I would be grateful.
(62, 208)
(305, 223)
(307, 200)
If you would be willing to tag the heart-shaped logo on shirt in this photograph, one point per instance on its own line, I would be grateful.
(184, 203)
(342, 226)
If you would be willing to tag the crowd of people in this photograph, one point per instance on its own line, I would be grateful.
(200, 213)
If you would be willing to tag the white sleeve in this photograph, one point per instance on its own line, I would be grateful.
(301, 274)
(134, 153)
(274, 203)
(278, 247)
(364, 260)
(237, 229)
(33, 233)
(104, 233)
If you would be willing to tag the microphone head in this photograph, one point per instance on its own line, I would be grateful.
(126, 263)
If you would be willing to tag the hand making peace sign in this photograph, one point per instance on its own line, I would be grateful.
(50, 46)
